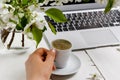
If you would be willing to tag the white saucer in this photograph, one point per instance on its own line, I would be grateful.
(71, 68)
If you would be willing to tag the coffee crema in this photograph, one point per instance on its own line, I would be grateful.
(61, 44)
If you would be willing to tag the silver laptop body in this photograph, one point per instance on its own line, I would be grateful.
(85, 38)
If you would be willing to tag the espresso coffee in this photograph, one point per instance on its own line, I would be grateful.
(61, 44)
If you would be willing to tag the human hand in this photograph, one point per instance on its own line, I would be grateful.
(40, 64)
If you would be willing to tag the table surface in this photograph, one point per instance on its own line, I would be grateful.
(102, 62)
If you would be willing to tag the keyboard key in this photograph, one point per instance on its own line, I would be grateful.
(111, 24)
(47, 18)
(106, 25)
(65, 29)
(71, 28)
(59, 30)
(118, 20)
(77, 28)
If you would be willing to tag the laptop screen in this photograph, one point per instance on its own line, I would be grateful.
(74, 5)
(71, 2)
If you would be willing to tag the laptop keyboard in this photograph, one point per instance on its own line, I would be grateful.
(87, 20)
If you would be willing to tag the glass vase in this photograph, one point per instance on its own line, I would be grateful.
(16, 43)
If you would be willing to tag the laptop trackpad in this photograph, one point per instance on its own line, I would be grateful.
(99, 37)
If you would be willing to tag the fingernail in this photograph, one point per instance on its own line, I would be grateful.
(53, 50)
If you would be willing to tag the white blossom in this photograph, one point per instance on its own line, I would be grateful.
(94, 77)
(5, 20)
(78, 0)
(39, 25)
(3, 9)
(65, 1)
(38, 21)
(46, 2)
(10, 25)
(35, 8)
(29, 35)
(115, 4)
(71, 0)
(58, 2)
(5, 17)
(5, 23)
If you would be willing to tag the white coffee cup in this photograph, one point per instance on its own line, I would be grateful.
(63, 51)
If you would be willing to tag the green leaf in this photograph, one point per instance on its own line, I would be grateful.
(40, 1)
(52, 28)
(56, 15)
(12, 21)
(18, 27)
(24, 2)
(24, 21)
(9, 8)
(37, 34)
(27, 30)
(44, 29)
(86, 0)
(109, 6)
(16, 11)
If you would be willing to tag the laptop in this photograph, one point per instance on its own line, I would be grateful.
(87, 27)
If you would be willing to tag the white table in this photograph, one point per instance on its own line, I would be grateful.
(105, 62)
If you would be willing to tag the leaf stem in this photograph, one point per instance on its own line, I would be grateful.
(22, 40)
(4, 35)
(12, 38)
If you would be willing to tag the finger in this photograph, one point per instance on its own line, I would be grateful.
(40, 52)
(50, 56)
(36, 55)
(53, 50)
(54, 67)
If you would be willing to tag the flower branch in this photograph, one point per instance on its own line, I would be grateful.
(25, 16)
(12, 38)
